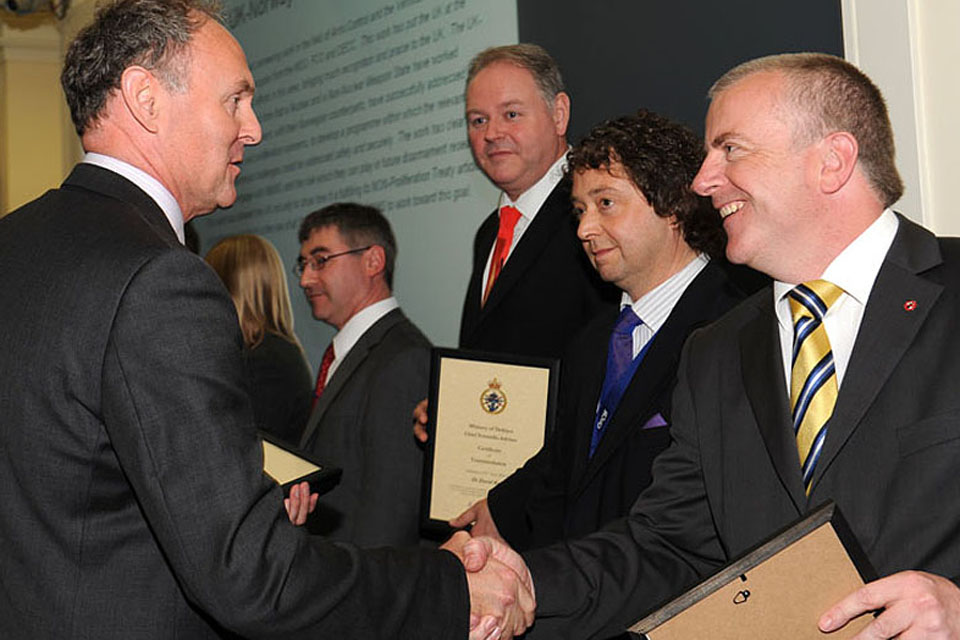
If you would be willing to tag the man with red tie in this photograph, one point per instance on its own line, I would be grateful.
(371, 376)
(532, 288)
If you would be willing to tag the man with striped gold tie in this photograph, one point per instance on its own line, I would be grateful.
(838, 382)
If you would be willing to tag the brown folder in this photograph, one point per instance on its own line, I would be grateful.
(778, 590)
(289, 465)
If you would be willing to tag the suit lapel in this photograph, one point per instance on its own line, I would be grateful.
(552, 214)
(486, 236)
(591, 378)
(763, 381)
(105, 182)
(886, 332)
(358, 353)
(646, 386)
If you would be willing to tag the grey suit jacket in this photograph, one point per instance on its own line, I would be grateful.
(731, 477)
(134, 504)
(362, 424)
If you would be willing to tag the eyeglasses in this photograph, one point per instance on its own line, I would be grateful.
(319, 262)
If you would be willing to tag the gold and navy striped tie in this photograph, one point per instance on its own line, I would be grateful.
(813, 384)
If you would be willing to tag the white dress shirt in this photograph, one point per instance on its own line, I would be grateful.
(854, 270)
(528, 204)
(354, 329)
(654, 307)
(157, 192)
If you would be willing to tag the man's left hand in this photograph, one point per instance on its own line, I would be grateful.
(916, 605)
(301, 503)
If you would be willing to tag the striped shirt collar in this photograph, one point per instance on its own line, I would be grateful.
(655, 306)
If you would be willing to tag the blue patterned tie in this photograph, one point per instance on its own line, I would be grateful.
(620, 369)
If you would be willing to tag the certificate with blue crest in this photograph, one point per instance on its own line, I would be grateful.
(489, 413)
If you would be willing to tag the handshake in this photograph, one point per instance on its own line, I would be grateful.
(502, 601)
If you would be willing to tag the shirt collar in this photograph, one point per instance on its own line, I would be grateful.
(150, 185)
(855, 268)
(530, 201)
(654, 307)
(358, 325)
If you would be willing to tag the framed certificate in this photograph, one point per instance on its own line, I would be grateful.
(778, 590)
(288, 466)
(489, 413)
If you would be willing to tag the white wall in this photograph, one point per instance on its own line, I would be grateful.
(938, 35)
(909, 48)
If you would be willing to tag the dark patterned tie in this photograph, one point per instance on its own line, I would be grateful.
(620, 369)
(328, 358)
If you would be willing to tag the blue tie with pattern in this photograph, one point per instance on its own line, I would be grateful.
(621, 366)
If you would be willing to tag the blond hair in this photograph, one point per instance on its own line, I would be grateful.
(251, 269)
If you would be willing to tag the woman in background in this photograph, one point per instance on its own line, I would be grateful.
(279, 378)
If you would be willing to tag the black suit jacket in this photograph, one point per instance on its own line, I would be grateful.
(362, 424)
(134, 502)
(546, 292)
(280, 386)
(731, 477)
(564, 493)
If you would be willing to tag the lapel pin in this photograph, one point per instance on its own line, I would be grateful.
(909, 305)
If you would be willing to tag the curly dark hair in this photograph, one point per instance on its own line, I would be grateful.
(150, 33)
(661, 158)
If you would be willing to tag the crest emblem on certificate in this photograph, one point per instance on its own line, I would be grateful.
(493, 399)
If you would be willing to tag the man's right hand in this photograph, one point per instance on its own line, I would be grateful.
(502, 601)
(479, 515)
(420, 417)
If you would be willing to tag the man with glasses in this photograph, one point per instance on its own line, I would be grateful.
(371, 376)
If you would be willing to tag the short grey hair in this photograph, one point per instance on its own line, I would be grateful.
(531, 57)
(828, 94)
(151, 33)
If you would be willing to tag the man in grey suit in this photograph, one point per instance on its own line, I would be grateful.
(134, 502)
(837, 382)
(373, 374)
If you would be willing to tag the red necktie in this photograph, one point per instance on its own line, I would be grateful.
(508, 220)
(328, 358)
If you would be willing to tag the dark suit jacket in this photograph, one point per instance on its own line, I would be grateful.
(280, 386)
(362, 424)
(564, 493)
(134, 503)
(546, 292)
(731, 477)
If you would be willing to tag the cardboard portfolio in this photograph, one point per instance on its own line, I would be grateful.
(778, 590)
(288, 466)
